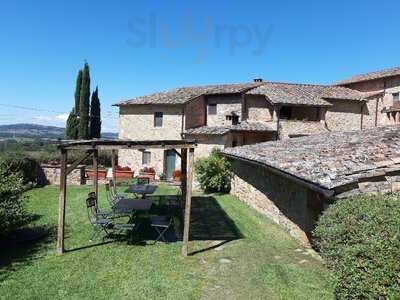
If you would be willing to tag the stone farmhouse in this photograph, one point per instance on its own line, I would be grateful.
(230, 115)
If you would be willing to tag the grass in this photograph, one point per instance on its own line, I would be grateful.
(260, 261)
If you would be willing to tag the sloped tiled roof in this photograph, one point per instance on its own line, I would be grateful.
(303, 94)
(184, 94)
(371, 75)
(329, 160)
(243, 126)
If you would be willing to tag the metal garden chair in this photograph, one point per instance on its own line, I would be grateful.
(101, 223)
(161, 225)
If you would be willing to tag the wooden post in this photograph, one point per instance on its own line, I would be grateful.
(113, 158)
(61, 202)
(183, 179)
(188, 202)
(96, 174)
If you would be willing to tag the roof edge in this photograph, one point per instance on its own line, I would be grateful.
(328, 193)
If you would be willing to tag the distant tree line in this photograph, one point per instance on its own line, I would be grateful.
(84, 121)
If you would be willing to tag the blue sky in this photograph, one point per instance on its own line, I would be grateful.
(138, 47)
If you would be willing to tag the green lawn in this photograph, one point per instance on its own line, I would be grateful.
(260, 261)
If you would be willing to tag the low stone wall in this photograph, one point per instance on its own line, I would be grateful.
(50, 174)
(286, 203)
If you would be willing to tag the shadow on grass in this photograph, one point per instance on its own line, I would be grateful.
(22, 246)
(209, 222)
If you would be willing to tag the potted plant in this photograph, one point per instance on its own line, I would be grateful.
(176, 175)
(123, 172)
(148, 172)
(101, 174)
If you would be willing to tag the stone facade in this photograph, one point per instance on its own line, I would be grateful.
(50, 174)
(225, 106)
(137, 123)
(344, 115)
(295, 128)
(257, 109)
(387, 86)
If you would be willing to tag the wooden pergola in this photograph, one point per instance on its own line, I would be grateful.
(183, 148)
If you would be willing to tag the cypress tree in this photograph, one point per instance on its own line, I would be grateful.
(95, 117)
(78, 91)
(84, 104)
(72, 126)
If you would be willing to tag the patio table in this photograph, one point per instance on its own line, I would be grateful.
(141, 189)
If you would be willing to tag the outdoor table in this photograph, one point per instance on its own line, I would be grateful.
(141, 189)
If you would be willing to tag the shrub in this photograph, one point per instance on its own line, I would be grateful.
(360, 240)
(14, 163)
(214, 173)
(12, 212)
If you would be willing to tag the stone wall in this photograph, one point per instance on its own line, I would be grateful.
(207, 143)
(286, 203)
(343, 115)
(133, 159)
(225, 106)
(386, 85)
(258, 109)
(50, 174)
(136, 122)
(292, 128)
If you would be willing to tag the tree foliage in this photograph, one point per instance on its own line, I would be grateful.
(214, 173)
(78, 92)
(84, 104)
(12, 213)
(95, 115)
(360, 240)
(72, 126)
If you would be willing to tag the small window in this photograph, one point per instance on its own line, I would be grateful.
(158, 119)
(285, 113)
(396, 97)
(146, 157)
(212, 109)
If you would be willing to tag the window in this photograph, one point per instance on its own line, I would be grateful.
(212, 109)
(285, 113)
(396, 97)
(158, 119)
(146, 157)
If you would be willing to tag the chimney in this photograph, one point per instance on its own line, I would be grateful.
(258, 79)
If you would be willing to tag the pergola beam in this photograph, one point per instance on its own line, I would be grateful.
(77, 162)
(61, 204)
(188, 202)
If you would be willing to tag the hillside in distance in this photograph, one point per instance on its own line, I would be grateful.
(23, 130)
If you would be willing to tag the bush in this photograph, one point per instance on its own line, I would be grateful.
(214, 173)
(25, 167)
(360, 240)
(12, 212)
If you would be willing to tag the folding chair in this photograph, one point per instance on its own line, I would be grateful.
(161, 224)
(101, 223)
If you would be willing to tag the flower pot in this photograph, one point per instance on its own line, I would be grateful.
(119, 174)
(151, 176)
(101, 174)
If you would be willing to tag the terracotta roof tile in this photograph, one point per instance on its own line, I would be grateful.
(371, 75)
(328, 160)
(303, 94)
(185, 94)
(243, 126)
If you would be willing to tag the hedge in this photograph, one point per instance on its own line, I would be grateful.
(12, 213)
(360, 240)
